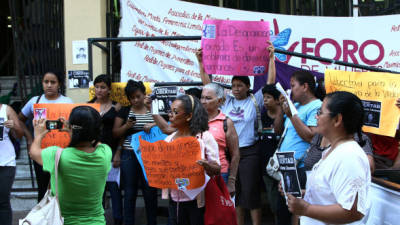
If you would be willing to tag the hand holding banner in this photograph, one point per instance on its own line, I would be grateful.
(235, 47)
(173, 164)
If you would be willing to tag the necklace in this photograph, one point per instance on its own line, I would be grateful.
(104, 108)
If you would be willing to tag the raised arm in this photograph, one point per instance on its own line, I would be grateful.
(304, 131)
(271, 66)
(204, 77)
(40, 131)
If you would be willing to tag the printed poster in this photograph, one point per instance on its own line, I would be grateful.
(289, 176)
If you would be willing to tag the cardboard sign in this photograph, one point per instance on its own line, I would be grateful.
(173, 164)
(54, 112)
(118, 92)
(378, 91)
(154, 135)
(235, 47)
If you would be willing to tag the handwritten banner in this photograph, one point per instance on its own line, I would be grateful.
(173, 164)
(235, 47)
(154, 135)
(54, 112)
(118, 92)
(378, 91)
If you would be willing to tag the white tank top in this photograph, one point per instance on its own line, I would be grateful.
(7, 152)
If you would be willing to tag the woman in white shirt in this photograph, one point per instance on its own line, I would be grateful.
(9, 124)
(338, 185)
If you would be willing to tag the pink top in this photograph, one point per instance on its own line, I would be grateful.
(216, 128)
(208, 146)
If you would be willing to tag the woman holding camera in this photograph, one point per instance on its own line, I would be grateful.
(9, 125)
(52, 84)
(131, 120)
(108, 112)
(82, 169)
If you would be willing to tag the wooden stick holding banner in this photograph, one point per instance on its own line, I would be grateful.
(235, 47)
(54, 112)
(173, 164)
(378, 92)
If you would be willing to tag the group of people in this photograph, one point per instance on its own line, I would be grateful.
(238, 133)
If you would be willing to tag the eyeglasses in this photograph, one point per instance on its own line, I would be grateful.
(319, 112)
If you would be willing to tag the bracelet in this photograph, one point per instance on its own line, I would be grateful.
(232, 177)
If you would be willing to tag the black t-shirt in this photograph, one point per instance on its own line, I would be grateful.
(269, 140)
(108, 124)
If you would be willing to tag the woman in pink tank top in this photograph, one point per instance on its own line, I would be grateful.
(223, 130)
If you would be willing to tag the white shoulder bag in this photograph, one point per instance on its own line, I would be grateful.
(273, 163)
(47, 211)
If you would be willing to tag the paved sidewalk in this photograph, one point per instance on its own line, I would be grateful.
(141, 218)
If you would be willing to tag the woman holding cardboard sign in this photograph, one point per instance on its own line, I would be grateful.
(244, 108)
(189, 118)
(338, 185)
(130, 120)
(52, 84)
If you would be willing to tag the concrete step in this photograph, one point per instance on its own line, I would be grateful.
(21, 201)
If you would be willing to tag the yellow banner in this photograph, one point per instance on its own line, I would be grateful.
(118, 92)
(378, 91)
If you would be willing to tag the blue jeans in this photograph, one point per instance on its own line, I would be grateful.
(132, 176)
(116, 199)
(225, 176)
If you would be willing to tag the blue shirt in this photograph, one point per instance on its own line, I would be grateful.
(292, 141)
(243, 113)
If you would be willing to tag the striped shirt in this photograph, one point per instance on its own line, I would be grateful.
(141, 120)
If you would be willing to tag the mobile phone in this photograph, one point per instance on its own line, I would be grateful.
(53, 124)
(133, 118)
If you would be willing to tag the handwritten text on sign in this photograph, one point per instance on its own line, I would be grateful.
(235, 47)
(168, 163)
(54, 112)
(378, 91)
(117, 92)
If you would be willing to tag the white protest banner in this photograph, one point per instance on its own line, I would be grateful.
(370, 41)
